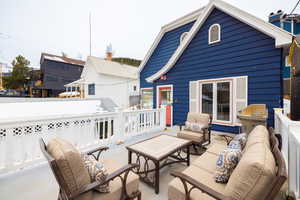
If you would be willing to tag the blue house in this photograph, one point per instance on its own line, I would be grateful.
(216, 60)
(290, 23)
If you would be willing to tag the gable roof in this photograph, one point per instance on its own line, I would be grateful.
(168, 27)
(282, 37)
(111, 68)
(63, 59)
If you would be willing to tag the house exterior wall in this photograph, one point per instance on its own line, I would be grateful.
(164, 50)
(57, 74)
(242, 51)
(286, 24)
(116, 88)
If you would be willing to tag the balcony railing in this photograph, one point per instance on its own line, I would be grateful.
(19, 139)
(290, 133)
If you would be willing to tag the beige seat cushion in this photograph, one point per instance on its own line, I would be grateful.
(116, 185)
(253, 176)
(207, 162)
(216, 148)
(70, 165)
(176, 189)
(189, 135)
(259, 134)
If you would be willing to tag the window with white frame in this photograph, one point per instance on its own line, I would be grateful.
(183, 36)
(91, 89)
(221, 98)
(214, 33)
(147, 98)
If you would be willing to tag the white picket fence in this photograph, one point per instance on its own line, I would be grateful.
(19, 146)
(290, 133)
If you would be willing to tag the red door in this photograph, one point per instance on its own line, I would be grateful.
(165, 99)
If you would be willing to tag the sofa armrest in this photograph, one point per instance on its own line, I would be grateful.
(196, 184)
(118, 173)
(97, 150)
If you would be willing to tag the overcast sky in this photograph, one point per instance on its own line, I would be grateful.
(29, 27)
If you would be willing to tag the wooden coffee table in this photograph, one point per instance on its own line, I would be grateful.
(155, 153)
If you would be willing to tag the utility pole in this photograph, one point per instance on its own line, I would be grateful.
(1, 82)
(90, 33)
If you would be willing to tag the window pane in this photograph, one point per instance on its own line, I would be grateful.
(223, 101)
(207, 98)
(165, 97)
(214, 33)
(147, 98)
(91, 89)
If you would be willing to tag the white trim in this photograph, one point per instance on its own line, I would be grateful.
(183, 35)
(194, 100)
(168, 27)
(219, 34)
(157, 98)
(282, 37)
(236, 100)
(147, 88)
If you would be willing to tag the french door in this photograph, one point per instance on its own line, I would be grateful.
(216, 99)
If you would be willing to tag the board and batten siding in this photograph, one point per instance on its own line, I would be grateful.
(162, 53)
(242, 51)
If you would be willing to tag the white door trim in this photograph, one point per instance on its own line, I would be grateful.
(157, 98)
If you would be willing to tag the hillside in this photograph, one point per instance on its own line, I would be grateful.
(128, 61)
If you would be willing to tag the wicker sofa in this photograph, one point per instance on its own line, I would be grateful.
(259, 174)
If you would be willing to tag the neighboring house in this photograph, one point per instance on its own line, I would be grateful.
(216, 60)
(290, 23)
(56, 71)
(103, 78)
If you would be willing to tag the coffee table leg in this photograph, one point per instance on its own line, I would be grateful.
(129, 157)
(156, 177)
(188, 156)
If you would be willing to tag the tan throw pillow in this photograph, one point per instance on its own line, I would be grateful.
(97, 172)
(70, 165)
(227, 161)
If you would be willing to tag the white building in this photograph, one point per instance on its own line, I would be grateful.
(103, 78)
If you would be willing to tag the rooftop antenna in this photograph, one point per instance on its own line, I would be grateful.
(90, 33)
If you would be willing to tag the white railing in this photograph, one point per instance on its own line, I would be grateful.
(19, 146)
(290, 133)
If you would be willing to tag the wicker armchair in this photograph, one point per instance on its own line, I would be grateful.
(198, 138)
(123, 182)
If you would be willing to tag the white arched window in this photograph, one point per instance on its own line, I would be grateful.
(214, 33)
(183, 36)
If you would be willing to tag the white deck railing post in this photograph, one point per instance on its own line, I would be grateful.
(163, 117)
(290, 134)
(119, 126)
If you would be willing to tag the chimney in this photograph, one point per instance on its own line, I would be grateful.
(109, 52)
(276, 18)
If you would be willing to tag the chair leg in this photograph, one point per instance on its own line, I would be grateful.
(139, 197)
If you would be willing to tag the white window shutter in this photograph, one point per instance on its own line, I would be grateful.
(241, 95)
(193, 96)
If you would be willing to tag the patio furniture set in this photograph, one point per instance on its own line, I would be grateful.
(259, 174)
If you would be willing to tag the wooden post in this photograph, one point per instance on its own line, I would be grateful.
(295, 98)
